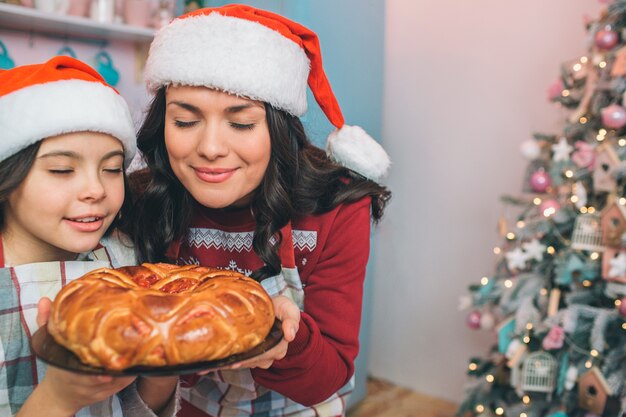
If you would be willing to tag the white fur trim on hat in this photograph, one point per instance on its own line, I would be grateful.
(54, 108)
(235, 55)
(353, 148)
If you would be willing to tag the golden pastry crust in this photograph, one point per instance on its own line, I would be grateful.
(160, 315)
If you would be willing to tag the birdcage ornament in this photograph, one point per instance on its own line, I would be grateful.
(539, 373)
(587, 233)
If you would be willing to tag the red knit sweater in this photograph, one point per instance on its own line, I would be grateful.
(331, 252)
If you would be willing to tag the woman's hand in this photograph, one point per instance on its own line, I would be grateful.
(63, 393)
(289, 314)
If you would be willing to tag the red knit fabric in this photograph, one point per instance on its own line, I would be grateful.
(321, 358)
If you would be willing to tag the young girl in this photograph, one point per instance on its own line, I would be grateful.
(58, 197)
(232, 181)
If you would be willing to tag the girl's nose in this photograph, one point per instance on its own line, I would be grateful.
(92, 188)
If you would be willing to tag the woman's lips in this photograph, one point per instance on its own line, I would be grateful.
(214, 175)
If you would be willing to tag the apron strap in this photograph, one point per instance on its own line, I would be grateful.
(286, 251)
(1, 253)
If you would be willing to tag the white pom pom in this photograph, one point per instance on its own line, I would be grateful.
(353, 148)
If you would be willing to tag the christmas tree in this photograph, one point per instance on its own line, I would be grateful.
(556, 300)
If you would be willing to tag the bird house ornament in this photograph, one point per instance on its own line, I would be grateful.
(587, 233)
(614, 265)
(593, 391)
(607, 162)
(613, 223)
(539, 373)
(575, 270)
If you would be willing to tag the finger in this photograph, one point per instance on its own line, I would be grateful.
(289, 314)
(104, 378)
(265, 365)
(43, 311)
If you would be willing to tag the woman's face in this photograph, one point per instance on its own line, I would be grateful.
(69, 198)
(218, 144)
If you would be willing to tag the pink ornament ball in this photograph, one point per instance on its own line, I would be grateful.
(614, 116)
(473, 320)
(549, 207)
(540, 181)
(622, 307)
(606, 39)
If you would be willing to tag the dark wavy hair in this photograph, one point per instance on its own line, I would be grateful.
(300, 180)
(14, 170)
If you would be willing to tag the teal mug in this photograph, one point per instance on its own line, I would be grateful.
(5, 60)
(104, 66)
(66, 50)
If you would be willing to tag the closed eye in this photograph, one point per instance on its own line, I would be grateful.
(61, 171)
(241, 126)
(182, 124)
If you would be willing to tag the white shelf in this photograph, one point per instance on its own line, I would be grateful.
(27, 20)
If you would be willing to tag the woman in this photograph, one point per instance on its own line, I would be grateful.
(233, 182)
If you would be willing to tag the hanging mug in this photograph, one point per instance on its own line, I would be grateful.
(5, 60)
(52, 6)
(66, 50)
(104, 66)
(79, 8)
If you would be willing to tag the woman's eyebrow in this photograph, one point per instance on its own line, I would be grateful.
(240, 107)
(186, 106)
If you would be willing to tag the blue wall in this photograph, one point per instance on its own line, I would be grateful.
(351, 34)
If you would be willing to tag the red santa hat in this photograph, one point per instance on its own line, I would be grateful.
(63, 95)
(263, 56)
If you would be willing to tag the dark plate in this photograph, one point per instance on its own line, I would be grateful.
(49, 351)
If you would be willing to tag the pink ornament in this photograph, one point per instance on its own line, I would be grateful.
(473, 320)
(555, 89)
(606, 39)
(584, 156)
(613, 116)
(549, 207)
(622, 307)
(554, 338)
(540, 181)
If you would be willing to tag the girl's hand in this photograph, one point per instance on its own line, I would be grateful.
(289, 313)
(68, 392)
(63, 393)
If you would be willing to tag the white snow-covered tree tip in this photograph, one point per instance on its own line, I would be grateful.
(353, 148)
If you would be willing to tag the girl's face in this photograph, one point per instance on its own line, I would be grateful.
(218, 144)
(69, 198)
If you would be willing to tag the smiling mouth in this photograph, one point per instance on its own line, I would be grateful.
(86, 219)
